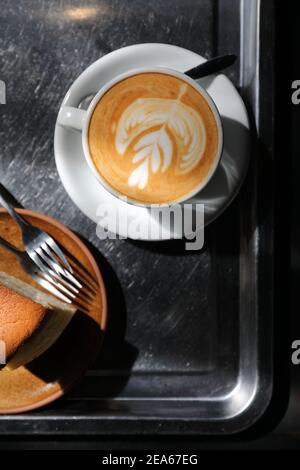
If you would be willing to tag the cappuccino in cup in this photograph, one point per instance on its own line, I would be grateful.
(152, 136)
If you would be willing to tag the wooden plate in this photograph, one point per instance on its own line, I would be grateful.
(49, 376)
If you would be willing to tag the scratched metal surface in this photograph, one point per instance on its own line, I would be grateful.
(173, 315)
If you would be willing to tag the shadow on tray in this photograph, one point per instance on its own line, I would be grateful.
(66, 361)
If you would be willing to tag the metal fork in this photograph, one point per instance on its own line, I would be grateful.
(40, 246)
(43, 279)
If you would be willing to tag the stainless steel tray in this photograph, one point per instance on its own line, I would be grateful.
(190, 359)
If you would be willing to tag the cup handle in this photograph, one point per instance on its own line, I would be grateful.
(71, 117)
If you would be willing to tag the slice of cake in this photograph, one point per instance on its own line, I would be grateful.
(30, 320)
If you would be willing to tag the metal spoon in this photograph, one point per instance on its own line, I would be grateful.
(202, 70)
(211, 66)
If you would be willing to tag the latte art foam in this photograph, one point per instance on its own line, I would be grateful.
(154, 148)
(153, 138)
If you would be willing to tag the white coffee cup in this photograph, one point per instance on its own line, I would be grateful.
(79, 119)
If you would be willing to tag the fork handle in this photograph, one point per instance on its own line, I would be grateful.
(8, 206)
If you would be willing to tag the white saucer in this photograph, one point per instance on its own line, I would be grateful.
(78, 179)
